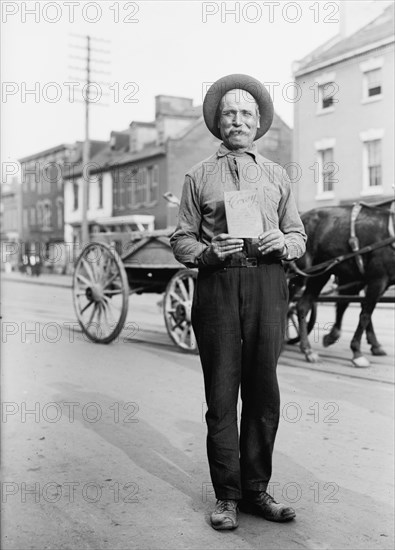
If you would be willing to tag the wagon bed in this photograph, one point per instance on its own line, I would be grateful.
(120, 264)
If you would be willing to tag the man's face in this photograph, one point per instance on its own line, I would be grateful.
(238, 119)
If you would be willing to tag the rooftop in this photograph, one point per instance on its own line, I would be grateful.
(381, 29)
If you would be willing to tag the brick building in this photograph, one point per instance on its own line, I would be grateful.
(42, 202)
(10, 224)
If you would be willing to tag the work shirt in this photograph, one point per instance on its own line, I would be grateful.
(202, 209)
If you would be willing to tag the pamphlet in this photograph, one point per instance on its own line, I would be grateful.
(243, 214)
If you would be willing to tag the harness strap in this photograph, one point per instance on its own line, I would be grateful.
(391, 222)
(320, 269)
(353, 241)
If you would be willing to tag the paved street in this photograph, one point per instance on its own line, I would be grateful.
(104, 446)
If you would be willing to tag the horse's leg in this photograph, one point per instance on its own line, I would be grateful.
(341, 307)
(373, 291)
(375, 346)
(335, 332)
(309, 297)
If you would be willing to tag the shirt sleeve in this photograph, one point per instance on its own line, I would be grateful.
(290, 223)
(185, 239)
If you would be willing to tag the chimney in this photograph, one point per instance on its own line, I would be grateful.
(172, 115)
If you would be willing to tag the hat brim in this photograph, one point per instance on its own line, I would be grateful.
(242, 82)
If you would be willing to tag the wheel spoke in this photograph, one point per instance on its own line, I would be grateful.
(184, 334)
(176, 297)
(109, 312)
(191, 285)
(83, 279)
(106, 269)
(107, 284)
(178, 324)
(86, 307)
(181, 286)
(193, 339)
(88, 269)
(99, 311)
(91, 317)
(105, 318)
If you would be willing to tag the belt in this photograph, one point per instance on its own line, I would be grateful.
(251, 261)
(243, 261)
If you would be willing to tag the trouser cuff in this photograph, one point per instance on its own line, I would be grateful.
(255, 487)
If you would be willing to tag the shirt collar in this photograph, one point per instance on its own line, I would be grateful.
(223, 151)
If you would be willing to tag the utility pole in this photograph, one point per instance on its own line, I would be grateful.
(86, 148)
(86, 152)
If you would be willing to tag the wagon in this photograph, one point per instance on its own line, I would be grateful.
(106, 273)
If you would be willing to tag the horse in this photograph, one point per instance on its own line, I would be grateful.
(334, 233)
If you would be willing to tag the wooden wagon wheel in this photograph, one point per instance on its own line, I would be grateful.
(101, 292)
(292, 335)
(177, 309)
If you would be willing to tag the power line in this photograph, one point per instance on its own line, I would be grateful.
(89, 71)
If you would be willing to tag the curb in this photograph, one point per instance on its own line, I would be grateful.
(32, 281)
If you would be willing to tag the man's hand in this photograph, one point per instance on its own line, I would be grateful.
(222, 245)
(271, 241)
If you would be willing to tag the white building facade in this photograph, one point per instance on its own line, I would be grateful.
(344, 120)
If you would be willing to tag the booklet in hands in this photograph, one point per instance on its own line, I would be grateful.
(243, 214)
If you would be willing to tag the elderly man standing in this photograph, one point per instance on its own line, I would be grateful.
(240, 301)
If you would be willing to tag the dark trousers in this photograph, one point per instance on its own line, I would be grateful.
(239, 317)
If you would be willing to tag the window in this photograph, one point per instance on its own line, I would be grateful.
(326, 95)
(152, 185)
(115, 187)
(372, 176)
(325, 169)
(32, 181)
(141, 183)
(47, 215)
(374, 162)
(372, 79)
(39, 212)
(50, 175)
(100, 191)
(45, 176)
(75, 195)
(130, 184)
(24, 177)
(373, 82)
(59, 212)
(325, 90)
(121, 190)
(32, 215)
(25, 218)
(30, 176)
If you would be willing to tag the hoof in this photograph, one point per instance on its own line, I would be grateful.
(378, 350)
(361, 362)
(312, 357)
(328, 340)
(331, 338)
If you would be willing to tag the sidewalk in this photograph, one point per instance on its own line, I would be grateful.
(46, 279)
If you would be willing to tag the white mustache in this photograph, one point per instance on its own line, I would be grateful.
(243, 132)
